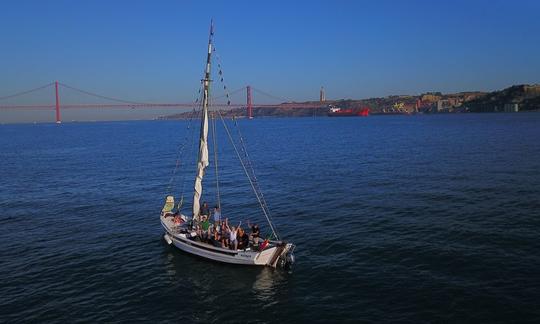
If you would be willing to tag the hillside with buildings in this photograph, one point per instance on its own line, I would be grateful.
(512, 99)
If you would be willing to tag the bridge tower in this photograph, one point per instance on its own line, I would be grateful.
(58, 121)
(249, 103)
(322, 97)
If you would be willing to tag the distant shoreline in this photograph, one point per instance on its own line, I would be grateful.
(516, 98)
(244, 117)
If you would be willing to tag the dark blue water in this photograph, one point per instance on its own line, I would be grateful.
(396, 219)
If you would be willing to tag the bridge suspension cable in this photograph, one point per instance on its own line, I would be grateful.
(230, 93)
(123, 103)
(18, 94)
(101, 96)
(270, 95)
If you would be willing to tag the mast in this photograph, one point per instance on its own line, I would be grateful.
(202, 160)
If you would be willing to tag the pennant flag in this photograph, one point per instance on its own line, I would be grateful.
(263, 245)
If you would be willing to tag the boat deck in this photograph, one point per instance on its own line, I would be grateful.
(183, 233)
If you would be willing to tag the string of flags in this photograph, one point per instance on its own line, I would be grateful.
(220, 72)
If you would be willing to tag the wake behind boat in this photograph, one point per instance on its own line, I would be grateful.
(208, 235)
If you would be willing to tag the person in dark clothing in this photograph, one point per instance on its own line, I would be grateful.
(216, 235)
(204, 211)
(255, 233)
(243, 239)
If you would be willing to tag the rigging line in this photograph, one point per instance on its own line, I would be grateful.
(230, 93)
(214, 133)
(103, 97)
(184, 173)
(192, 146)
(193, 141)
(181, 147)
(249, 178)
(189, 154)
(214, 139)
(220, 72)
(179, 154)
(26, 92)
(250, 165)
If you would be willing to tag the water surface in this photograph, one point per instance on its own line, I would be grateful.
(395, 218)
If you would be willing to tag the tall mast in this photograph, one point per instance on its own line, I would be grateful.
(202, 161)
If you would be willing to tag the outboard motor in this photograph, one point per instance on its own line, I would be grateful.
(286, 260)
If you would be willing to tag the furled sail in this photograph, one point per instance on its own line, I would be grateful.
(202, 161)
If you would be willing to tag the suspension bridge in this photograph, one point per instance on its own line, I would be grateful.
(114, 103)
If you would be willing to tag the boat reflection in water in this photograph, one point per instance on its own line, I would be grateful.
(267, 284)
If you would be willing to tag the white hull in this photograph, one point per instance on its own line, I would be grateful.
(269, 257)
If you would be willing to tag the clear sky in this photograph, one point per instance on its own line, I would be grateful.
(155, 50)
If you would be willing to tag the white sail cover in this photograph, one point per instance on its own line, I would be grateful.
(202, 162)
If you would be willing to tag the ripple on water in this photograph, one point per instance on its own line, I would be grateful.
(417, 219)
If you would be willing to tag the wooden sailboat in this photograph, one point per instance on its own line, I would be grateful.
(180, 231)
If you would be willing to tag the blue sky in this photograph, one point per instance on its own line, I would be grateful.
(155, 50)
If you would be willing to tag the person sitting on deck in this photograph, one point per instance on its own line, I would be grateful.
(168, 207)
(239, 232)
(243, 239)
(203, 229)
(217, 215)
(216, 235)
(255, 233)
(204, 211)
(177, 219)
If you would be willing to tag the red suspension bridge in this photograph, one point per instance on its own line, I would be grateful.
(122, 103)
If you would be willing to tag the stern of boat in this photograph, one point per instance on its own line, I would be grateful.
(282, 255)
(286, 259)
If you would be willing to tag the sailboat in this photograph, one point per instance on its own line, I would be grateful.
(184, 231)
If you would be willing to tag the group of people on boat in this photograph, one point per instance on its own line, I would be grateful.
(211, 228)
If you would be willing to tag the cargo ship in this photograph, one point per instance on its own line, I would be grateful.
(340, 112)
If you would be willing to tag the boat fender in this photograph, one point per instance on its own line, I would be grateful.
(168, 239)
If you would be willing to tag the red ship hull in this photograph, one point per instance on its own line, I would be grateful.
(349, 113)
